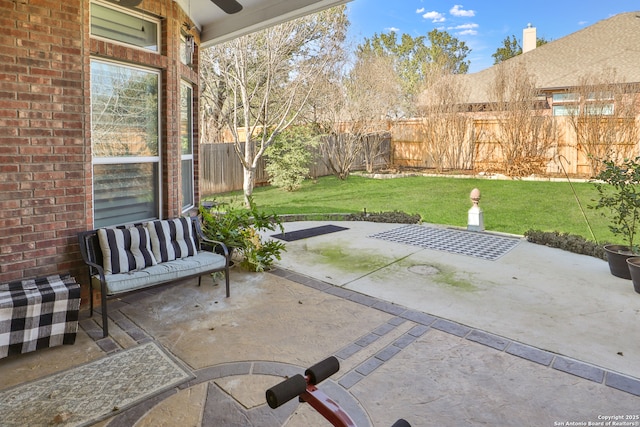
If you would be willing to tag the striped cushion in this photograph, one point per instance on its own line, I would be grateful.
(125, 250)
(172, 239)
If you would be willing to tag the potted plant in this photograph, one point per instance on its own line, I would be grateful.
(618, 186)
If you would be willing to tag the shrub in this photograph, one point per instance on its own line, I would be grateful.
(567, 242)
(391, 217)
(289, 156)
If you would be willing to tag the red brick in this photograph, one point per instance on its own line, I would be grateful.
(8, 113)
(39, 221)
(9, 222)
(41, 254)
(8, 168)
(17, 266)
(16, 245)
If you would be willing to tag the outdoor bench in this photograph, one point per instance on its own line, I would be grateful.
(127, 259)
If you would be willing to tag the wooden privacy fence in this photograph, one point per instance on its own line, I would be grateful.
(484, 152)
(477, 150)
(221, 170)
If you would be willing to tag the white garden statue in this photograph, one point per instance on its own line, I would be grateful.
(476, 218)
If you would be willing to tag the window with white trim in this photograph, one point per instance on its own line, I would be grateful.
(594, 104)
(565, 104)
(125, 26)
(186, 143)
(125, 123)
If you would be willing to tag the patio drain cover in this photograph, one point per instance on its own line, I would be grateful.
(471, 243)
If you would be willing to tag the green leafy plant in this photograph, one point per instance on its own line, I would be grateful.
(567, 242)
(618, 186)
(239, 228)
(391, 217)
(289, 156)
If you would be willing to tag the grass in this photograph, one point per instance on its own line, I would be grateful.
(509, 206)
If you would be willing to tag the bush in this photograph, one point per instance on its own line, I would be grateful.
(289, 156)
(391, 217)
(567, 242)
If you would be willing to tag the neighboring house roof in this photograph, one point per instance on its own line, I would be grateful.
(217, 26)
(612, 43)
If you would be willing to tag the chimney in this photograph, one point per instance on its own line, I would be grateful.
(528, 38)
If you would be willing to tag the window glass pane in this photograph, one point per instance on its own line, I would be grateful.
(599, 109)
(186, 142)
(600, 95)
(125, 193)
(564, 110)
(124, 110)
(125, 143)
(187, 183)
(565, 97)
(186, 119)
(123, 27)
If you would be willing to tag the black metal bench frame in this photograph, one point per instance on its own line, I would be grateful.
(92, 256)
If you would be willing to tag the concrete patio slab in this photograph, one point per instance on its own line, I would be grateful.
(548, 298)
(536, 337)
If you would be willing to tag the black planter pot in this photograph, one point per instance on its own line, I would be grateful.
(617, 257)
(634, 268)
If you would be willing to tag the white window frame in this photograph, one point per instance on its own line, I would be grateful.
(189, 156)
(157, 159)
(562, 102)
(129, 12)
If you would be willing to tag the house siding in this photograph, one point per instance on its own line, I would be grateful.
(45, 134)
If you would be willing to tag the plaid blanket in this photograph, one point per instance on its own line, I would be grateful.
(38, 313)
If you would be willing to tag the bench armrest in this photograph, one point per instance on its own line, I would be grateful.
(87, 241)
(204, 239)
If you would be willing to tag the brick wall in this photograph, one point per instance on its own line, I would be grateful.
(42, 120)
(45, 136)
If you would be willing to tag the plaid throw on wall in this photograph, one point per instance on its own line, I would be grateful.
(38, 313)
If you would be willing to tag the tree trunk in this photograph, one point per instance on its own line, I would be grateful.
(247, 185)
(248, 167)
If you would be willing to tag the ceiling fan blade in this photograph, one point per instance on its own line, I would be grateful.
(229, 6)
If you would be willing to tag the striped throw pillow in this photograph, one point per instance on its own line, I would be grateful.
(126, 249)
(172, 239)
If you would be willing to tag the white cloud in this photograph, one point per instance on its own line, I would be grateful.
(392, 29)
(434, 16)
(470, 26)
(458, 11)
(583, 23)
(420, 10)
(467, 33)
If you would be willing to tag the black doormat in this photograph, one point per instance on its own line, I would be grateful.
(308, 232)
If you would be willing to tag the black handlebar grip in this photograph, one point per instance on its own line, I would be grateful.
(322, 370)
(281, 393)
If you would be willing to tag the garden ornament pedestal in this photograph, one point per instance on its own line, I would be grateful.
(476, 217)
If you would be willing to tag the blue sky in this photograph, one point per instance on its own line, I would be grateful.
(481, 24)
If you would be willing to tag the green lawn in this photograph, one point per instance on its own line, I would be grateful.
(508, 206)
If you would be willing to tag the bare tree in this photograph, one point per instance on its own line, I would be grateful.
(445, 127)
(356, 121)
(523, 133)
(260, 82)
(603, 115)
